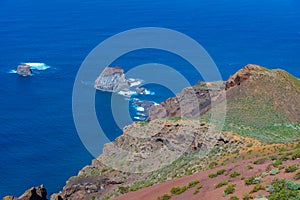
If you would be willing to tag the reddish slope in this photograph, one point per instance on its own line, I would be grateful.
(209, 191)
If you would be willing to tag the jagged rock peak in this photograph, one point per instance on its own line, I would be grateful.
(243, 74)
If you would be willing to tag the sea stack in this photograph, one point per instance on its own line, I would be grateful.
(24, 70)
(112, 79)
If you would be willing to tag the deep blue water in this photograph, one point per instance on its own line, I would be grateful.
(38, 139)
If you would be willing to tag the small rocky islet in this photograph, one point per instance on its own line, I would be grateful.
(24, 70)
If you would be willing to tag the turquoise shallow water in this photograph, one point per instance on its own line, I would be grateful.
(38, 139)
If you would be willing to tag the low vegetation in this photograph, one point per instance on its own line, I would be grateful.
(291, 168)
(234, 174)
(221, 184)
(221, 171)
(257, 188)
(229, 190)
(283, 189)
(178, 190)
(164, 197)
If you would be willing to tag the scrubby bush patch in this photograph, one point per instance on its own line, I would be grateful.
(234, 174)
(229, 190)
(291, 168)
(221, 184)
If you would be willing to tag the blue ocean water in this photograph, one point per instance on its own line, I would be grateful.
(38, 139)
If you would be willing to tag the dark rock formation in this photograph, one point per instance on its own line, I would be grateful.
(34, 193)
(112, 79)
(24, 70)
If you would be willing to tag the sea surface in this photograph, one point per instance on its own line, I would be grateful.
(38, 140)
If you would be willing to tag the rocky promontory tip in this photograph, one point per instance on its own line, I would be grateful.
(34, 193)
(24, 70)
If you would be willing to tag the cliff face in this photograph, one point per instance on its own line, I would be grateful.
(131, 157)
(112, 79)
(192, 102)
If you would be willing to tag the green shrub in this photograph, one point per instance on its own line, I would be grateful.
(229, 190)
(296, 155)
(257, 188)
(212, 165)
(123, 190)
(250, 167)
(234, 198)
(212, 175)
(274, 172)
(221, 171)
(291, 168)
(221, 184)
(277, 163)
(197, 189)
(260, 197)
(283, 189)
(193, 183)
(234, 174)
(252, 180)
(293, 185)
(264, 174)
(174, 190)
(260, 161)
(297, 176)
(247, 197)
(273, 158)
(164, 197)
(178, 190)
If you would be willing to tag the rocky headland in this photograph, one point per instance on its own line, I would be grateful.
(263, 108)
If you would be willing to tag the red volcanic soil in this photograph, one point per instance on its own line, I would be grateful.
(209, 190)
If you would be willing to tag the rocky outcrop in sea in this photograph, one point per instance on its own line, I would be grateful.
(24, 70)
(113, 79)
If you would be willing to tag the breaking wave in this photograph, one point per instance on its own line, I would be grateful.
(12, 71)
(37, 66)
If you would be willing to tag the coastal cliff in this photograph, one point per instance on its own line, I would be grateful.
(104, 177)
